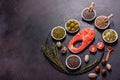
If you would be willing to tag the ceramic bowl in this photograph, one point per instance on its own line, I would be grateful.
(76, 29)
(88, 19)
(103, 27)
(57, 33)
(108, 34)
(73, 68)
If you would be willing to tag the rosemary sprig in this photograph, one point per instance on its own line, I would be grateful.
(52, 54)
(90, 65)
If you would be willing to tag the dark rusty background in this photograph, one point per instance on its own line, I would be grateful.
(24, 26)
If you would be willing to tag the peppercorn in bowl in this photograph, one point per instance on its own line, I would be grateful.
(88, 16)
(73, 62)
(58, 33)
(72, 25)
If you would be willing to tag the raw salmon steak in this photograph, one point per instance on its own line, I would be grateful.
(86, 36)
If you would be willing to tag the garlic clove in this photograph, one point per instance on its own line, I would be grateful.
(92, 75)
(59, 44)
(87, 58)
(64, 50)
(108, 67)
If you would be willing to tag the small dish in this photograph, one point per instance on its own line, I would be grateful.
(90, 18)
(72, 25)
(101, 24)
(110, 35)
(73, 62)
(58, 33)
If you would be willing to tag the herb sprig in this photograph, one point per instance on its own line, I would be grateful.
(52, 54)
(90, 65)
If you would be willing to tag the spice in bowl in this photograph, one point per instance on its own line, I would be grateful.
(58, 33)
(110, 35)
(103, 22)
(100, 23)
(73, 62)
(89, 14)
(72, 26)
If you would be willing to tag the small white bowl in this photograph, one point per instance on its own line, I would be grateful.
(100, 27)
(108, 30)
(72, 31)
(88, 19)
(70, 57)
(55, 37)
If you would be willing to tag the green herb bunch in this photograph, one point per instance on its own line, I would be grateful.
(52, 54)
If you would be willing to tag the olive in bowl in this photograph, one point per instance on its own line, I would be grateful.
(110, 35)
(58, 33)
(73, 62)
(72, 26)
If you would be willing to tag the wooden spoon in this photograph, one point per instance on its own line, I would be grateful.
(109, 49)
(91, 7)
(108, 18)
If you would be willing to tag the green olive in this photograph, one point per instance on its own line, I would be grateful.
(73, 29)
(69, 28)
(72, 25)
(72, 21)
(76, 26)
(68, 23)
(76, 22)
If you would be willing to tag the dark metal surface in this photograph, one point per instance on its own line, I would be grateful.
(24, 26)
